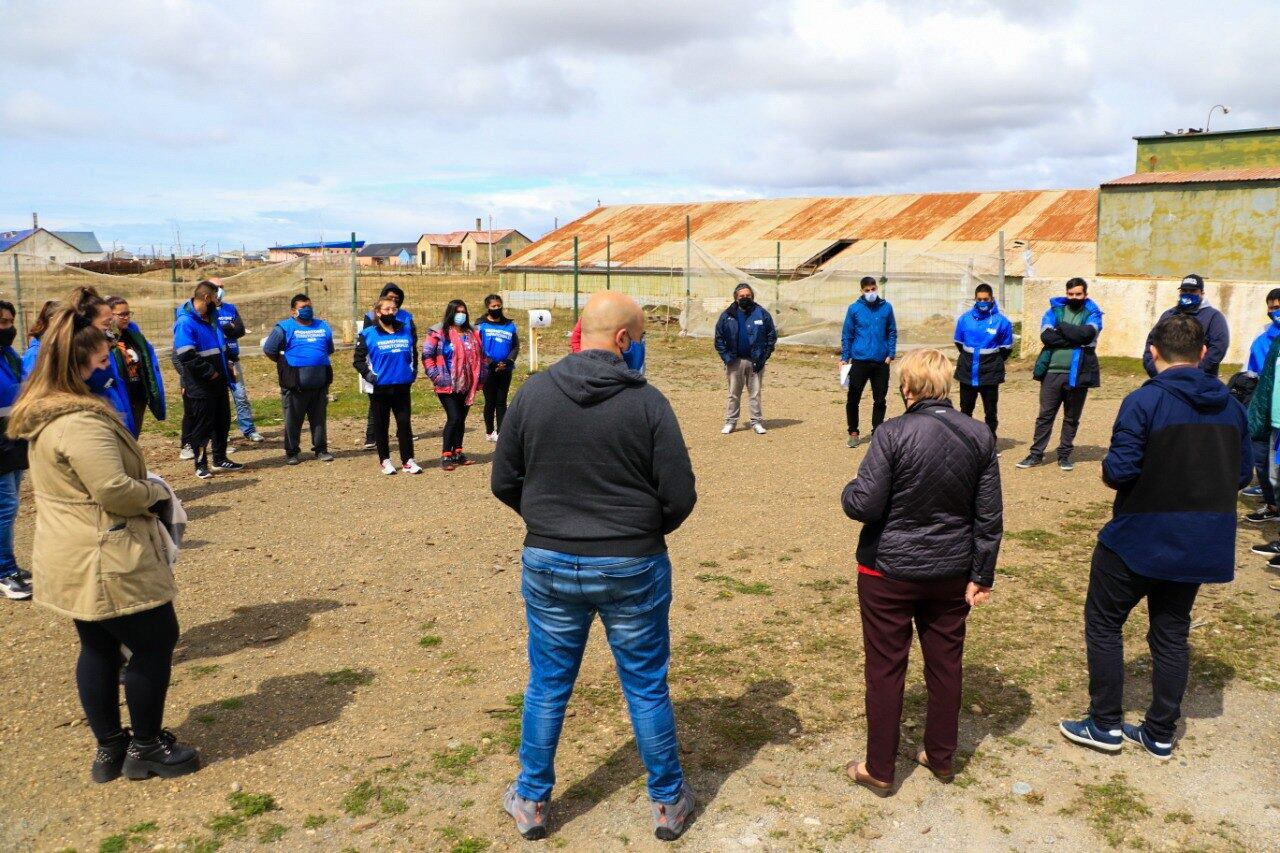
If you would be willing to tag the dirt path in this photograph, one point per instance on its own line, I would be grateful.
(353, 648)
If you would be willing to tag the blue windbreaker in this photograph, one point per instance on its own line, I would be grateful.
(200, 352)
(984, 341)
(1258, 352)
(33, 351)
(117, 394)
(870, 332)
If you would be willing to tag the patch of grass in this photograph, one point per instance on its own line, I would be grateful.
(455, 762)
(709, 564)
(226, 825)
(231, 704)
(206, 719)
(356, 801)
(393, 805)
(247, 804)
(114, 844)
(201, 670)
(825, 584)
(271, 833)
(460, 842)
(1113, 807)
(122, 841)
(348, 677)
(428, 641)
(732, 585)
(315, 821)
(1179, 817)
(1036, 538)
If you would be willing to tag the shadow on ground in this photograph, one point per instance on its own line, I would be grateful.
(221, 483)
(252, 625)
(780, 423)
(279, 709)
(1208, 679)
(722, 735)
(1088, 453)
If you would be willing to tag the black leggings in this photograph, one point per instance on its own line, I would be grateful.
(496, 387)
(382, 406)
(455, 420)
(150, 636)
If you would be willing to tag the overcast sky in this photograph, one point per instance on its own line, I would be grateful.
(269, 122)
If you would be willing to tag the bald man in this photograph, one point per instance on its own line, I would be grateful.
(592, 458)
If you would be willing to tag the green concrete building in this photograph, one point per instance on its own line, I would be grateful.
(1197, 202)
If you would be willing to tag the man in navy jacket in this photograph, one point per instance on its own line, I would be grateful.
(1180, 450)
(745, 338)
(1217, 332)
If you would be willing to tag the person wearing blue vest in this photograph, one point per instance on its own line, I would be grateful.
(300, 345)
(501, 342)
(14, 582)
(34, 334)
(93, 309)
(1066, 369)
(984, 338)
(405, 319)
(387, 361)
(868, 344)
(200, 354)
(233, 330)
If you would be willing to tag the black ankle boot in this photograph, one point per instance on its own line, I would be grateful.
(109, 758)
(163, 757)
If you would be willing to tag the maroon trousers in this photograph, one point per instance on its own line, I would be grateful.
(938, 610)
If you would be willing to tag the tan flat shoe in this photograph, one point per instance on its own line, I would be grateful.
(857, 771)
(922, 758)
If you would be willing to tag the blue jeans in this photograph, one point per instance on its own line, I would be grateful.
(239, 393)
(1262, 467)
(562, 594)
(8, 512)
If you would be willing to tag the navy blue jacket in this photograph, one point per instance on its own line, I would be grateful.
(985, 342)
(13, 451)
(1217, 337)
(1180, 450)
(760, 329)
(199, 353)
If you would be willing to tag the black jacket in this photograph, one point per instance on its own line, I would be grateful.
(1217, 337)
(928, 495)
(1070, 336)
(592, 458)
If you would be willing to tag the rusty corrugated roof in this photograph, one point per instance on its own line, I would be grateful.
(1059, 226)
(1207, 176)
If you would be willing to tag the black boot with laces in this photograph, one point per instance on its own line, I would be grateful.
(110, 757)
(162, 756)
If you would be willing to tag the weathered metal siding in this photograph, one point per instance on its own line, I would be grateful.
(1188, 153)
(1222, 231)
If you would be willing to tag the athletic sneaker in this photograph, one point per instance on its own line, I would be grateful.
(460, 458)
(530, 816)
(25, 575)
(1274, 562)
(387, 467)
(15, 587)
(163, 757)
(292, 460)
(255, 437)
(369, 445)
(1262, 515)
(1252, 491)
(1031, 462)
(1267, 549)
(491, 437)
(186, 453)
(411, 467)
(1138, 736)
(759, 428)
(108, 760)
(228, 465)
(1085, 733)
(447, 463)
(854, 439)
(1066, 465)
(728, 428)
(324, 456)
(670, 820)
(203, 472)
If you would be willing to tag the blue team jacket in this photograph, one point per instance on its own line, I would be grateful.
(870, 332)
(984, 341)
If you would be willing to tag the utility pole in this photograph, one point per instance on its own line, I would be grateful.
(490, 244)
(1001, 261)
(355, 314)
(608, 262)
(575, 279)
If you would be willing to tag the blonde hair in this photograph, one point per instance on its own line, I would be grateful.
(67, 345)
(925, 374)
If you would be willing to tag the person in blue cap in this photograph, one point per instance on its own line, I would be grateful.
(1217, 332)
(984, 338)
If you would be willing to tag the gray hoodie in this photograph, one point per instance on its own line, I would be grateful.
(592, 458)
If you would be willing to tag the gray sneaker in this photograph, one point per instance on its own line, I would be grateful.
(530, 816)
(1066, 465)
(671, 819)
(186, 452)
(324, 456)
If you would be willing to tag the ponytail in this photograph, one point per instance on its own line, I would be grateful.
(68, 344)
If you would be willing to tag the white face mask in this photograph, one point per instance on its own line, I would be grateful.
(871, 295)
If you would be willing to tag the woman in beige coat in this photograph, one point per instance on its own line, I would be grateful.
(99, 554)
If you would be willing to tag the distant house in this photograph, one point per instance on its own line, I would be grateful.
(293, 251)
(63, 247)
(469, 250)
(387, 255)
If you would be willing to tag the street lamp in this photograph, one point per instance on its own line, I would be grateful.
(1225, 109)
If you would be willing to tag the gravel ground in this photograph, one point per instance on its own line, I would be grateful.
(353, 647)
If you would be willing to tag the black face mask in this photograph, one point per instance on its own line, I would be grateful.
(495, 313)
(1075, 304)
(745, 304)
(7, 336)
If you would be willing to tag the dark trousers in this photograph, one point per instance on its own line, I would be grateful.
(309, 403)
(381, 407)
(369, 429)
(150, 637)
(455, 420)
(137, 404)
(1114, 590)
(496, 387)
(990, 402)
(938, 610)
(1262, 467)
(1054, 395)
(210, 422)
(860, 372)
(186, 423)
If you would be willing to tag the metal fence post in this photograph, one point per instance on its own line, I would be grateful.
(884, 264)
(777, 276)
(575, 279)
(17, 297)
(1001, 246)
(306, 283)
(355, 314)
(608, 262)
(688, 258)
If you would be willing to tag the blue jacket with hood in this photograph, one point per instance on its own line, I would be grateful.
(1180, 451)
(762, 335)
(985, 342)
(200, 354)
(870, 331)
(1217, 337)
(1261, 346)
(1081, 339)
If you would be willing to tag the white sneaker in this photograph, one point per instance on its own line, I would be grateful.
(728, 428)
(759, 428)
(14, 587)
(411, 467)
(255, 437)
(186, 453)
(387, 467)
(495, 436)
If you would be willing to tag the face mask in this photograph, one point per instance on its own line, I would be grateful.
(1275, 316)
(221, 293)
(388, 320)
(630, 345)
(459, 319)
(306, 313)
(1075, 304)
(745, 303)
(99, 381)
(7, 336)
(495, 313)
(983, 307)
(1189, 301)
(871, 296)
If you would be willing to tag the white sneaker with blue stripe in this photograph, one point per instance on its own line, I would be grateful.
(1086, 733)
(1137, 735)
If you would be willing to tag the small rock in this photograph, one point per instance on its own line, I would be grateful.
(364, 824)
(1050, 840)
(792, 731)
(1021, 789)
(925, 831)
(975, 709)
(812, 821)
(236, 787)
(771, 781)
(749, 840)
